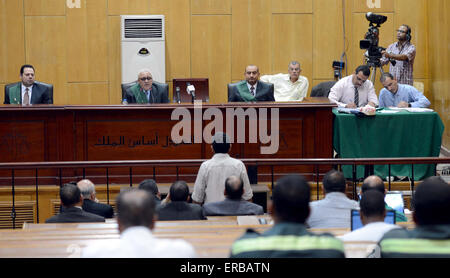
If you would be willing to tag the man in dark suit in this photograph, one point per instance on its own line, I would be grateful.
(90, 202)
(176, 206)
(151, 187)
(145, 91)
(233, 203)
(27, 91)
(251, 89)
(72, 202)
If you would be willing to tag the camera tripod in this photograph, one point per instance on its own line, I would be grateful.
(373, 70)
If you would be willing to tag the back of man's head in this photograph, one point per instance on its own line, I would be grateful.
(291, 197)
(135, 207)
(234, 188)
(87, 188)
(221, 143)
(373, 182)
(431, 202)
(149, 185)
(372, 204)
(334, 181)
(179, 191)
(70, 195)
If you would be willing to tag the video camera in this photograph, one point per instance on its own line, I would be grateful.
(371, 39)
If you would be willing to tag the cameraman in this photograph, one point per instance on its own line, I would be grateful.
(403, 52)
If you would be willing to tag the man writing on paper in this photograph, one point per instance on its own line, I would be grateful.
(400, 95)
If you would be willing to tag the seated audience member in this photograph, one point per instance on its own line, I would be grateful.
(233, 203)
(176, 206)
(145, 91)
(400, 95)
(72, 202)
(289, 236)
(354, 90)
(431, 214)
(376, 183)
(251, 89)
(151, 187)
(28, 91)
(288, 87)
(210, 182)
(136, 219)
(372, 215)
(90, 202)
(334, 210)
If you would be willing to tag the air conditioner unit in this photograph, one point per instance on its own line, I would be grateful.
(143, 46)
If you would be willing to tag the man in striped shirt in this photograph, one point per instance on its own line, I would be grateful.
(404, 53)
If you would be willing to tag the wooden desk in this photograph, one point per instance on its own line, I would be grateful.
(141, 132)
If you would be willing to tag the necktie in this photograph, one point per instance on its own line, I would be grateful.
(252, 90)
(149, 96)
(356, 97)
(26, 98)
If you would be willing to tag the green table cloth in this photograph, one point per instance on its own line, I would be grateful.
(401, 134)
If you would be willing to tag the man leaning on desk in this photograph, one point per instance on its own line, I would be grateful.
(28, 91)
(400, 95)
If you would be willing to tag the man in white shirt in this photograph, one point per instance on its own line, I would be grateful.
(291, 86)
(210, 183)
(354, 90)
(136, 210)
(334, 210)
(372, 215)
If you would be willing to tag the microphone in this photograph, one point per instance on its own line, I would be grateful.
(177, 89)
(190, 89)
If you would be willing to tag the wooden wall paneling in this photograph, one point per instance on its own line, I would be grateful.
(293, 43)
(292, 6)
(178, 36)
(88, 93)
(44, 7)
(375, 6)
(12, 48)
(125, 7)
(87, 42)
(328, 46)
(211, 53)
(413, 13)
(251, 41)
(46, 50)
(114, 60)
(210, 7)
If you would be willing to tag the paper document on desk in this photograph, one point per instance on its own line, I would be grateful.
(412, 109)
(388, 111)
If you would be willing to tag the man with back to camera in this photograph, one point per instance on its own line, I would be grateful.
(354, 90)
(145, 91)
(288, 87)
(289, 236)
(431, 214)
(90, 201)
(404, 53)
(400, 95)
(210, 182)
(251, 89)
(27, 91)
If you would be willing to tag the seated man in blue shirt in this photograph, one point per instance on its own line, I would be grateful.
(400, 95)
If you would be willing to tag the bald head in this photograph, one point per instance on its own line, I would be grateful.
(234, 188)
(373, 182)
(135, 207)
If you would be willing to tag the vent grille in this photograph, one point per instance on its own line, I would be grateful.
(25, 212)
(144, 28)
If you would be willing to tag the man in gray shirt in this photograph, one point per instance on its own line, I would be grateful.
(334, 210)
(233, 203)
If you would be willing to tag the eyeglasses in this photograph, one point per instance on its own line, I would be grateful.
(146, 78)
(401, 31)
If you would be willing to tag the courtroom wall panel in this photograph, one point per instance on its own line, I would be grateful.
(439, 61)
